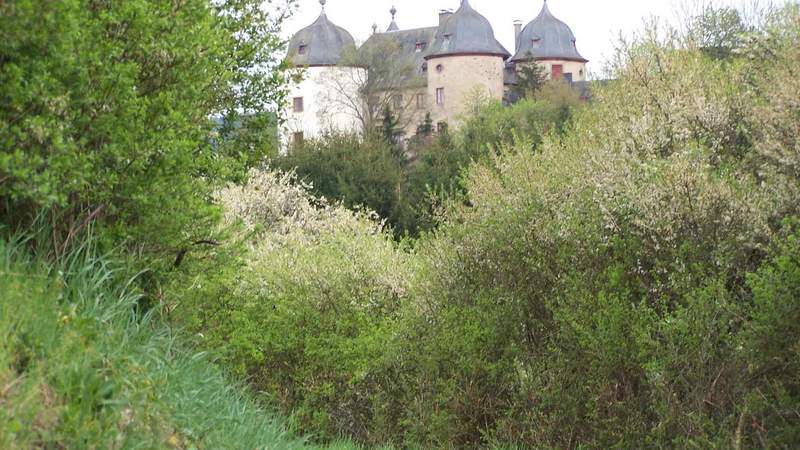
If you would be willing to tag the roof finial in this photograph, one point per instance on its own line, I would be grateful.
(322, 2)
(393, 26)
(374, 28)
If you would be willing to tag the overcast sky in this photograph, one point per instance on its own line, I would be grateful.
(596, 23)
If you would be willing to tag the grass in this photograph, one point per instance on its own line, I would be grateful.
(80, 369)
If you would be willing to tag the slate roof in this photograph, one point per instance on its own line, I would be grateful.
(320, 44)
(407, 42)
(466, 32)
(547, 38)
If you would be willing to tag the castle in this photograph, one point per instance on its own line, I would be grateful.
(443, 66)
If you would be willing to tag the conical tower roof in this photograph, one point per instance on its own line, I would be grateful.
(320, 44)
(466, 32)
(547, 38)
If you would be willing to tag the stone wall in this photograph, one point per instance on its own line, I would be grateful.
(462, 77)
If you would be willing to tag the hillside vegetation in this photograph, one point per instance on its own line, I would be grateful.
(619, 273)
(628, 278)
(80, 369)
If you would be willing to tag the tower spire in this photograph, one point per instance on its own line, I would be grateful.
(393, 26)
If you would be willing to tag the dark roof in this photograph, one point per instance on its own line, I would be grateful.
(407, 42)
(466, 32)
(323, 44)
(547, 38)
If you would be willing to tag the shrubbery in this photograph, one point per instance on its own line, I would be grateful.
(624, 277)
(619, 274)
(105, 114)
(407, 186)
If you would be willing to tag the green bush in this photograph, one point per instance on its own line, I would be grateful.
(623, 279)
(309, 313)
(359, 172)
(105, 114)
(772, 348)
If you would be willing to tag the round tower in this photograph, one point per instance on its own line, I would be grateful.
(322, 100)
(465, 59)
(552, 44)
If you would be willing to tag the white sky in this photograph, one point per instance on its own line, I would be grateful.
(596, 23)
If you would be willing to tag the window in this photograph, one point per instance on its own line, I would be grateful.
(537, 42)
(420, 47)
(557, 71)
(420, 101)
(298, 104)
(302, 49)
(439, 68)
(440, 96)
(397, 101)
(297, 138)
(424, 67)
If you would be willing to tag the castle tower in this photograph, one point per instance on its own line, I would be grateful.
(465, 59)
(552, 44)
(320, 102)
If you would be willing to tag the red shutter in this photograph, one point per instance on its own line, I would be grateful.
(558, 71)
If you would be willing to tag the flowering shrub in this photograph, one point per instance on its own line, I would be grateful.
(309, 312)
(628, 283)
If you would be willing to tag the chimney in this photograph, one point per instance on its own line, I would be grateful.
(443, 15)
(517, 32)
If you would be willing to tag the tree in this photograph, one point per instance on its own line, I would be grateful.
(387, 73)
(105, 107)
(358, 171)
(425, 128)
(717, 31)
(531, 78)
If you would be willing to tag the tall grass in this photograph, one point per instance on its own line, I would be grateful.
(79, 368)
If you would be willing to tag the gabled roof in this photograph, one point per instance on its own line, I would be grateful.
(320, 44)
(466, 32)
(547, 38)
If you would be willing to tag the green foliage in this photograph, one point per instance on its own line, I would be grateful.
(491, 125)
(718, 31)
(772, 344)
(619, 275)
(307, 318)
(105, 107)
(425, 128)
(531, 78)
(340, 166)
(79, 368)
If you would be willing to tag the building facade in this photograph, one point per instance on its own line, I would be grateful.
(448, 66)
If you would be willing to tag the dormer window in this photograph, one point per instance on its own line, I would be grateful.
(537, 42)
(302, 49)
(420, 47)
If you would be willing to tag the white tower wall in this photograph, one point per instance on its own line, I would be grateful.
(330, 102)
